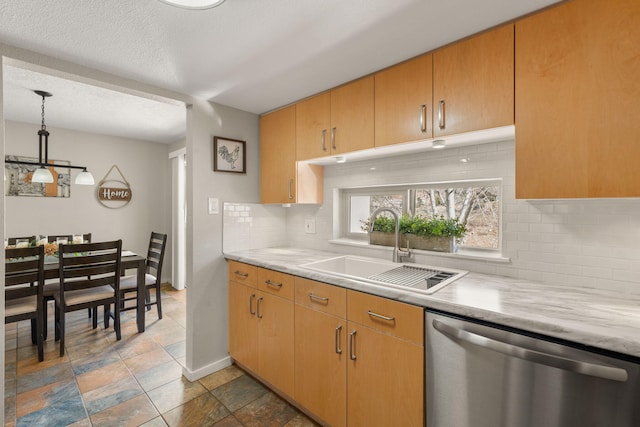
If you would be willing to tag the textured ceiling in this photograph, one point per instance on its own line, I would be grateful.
(254, 55)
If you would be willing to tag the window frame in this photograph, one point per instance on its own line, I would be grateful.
(408, 205)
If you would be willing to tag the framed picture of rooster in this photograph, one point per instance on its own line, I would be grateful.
(229, 155)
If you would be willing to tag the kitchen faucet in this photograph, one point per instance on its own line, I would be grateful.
(398, 254)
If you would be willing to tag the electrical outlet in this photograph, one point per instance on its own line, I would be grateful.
(310, 226)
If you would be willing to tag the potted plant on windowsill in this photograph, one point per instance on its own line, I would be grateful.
(383, 232)
(436, 233)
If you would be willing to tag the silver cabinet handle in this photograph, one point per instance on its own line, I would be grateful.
(423, 118)
(324, 136)
(572, 365)
(241, 274)
(289, 189)
(317, 298)
(380, 316)
(441, 112)
(338, 330)
(272, 284)
(251, 299)
(352, 344)
(258, 306)
(333, 138)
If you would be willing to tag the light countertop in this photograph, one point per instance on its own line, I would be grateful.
(593, 317)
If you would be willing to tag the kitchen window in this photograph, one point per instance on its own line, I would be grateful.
(477, 204)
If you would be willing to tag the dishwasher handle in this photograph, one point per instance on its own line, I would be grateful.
(585, 368)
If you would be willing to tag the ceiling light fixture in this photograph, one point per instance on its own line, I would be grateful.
(438, 143)
(42, 174)
(194, 4)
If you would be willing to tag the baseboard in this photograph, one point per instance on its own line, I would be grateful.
(206, 370)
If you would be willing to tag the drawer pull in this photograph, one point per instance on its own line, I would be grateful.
(317, 298)
(352, 344)
(258, 306)
(251, 299)
(380, 316)
(241, 274)
(338, 349)
(272, 284)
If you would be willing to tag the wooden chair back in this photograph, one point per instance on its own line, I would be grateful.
(24, 267)
(12, 240)
(155, 254)
(88, 265)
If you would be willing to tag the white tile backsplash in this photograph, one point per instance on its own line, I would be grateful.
(589, 242)
(586, 242)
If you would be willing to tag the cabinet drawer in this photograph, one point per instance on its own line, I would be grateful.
(240, 272)
(322, 297)
(275, 283)
(395, 318)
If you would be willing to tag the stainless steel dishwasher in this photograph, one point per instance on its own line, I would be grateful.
(479, 375)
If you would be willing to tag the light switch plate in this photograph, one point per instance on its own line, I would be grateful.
(213, 206)
(310, 226)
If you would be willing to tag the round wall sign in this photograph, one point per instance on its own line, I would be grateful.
(114, 193)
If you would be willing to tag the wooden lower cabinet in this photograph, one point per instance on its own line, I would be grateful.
(275, 341)
(243, 328)
(346, 357)
(261, 334)
(321, 365)
(386, 380)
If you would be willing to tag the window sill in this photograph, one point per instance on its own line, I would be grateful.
(470, 254)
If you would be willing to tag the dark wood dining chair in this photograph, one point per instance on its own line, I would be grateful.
(23, 284)
(12, 240)
(152, 277)
(86, 238)
(89, 277)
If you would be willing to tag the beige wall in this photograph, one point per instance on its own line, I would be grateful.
(206, 269)
(145, 166)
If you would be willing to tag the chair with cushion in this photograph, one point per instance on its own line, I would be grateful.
(11, 241)
(23, 284)
(152, 278)
(89, 277)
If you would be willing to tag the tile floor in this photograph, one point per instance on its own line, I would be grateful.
(133, 382)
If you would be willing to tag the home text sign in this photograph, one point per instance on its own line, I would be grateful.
(114, 193)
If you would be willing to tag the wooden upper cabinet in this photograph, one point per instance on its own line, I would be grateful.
(578, 101)
(313, 127)
(403, 102)
(352, 116)
(278, 156)
(473, 83)
(282, 179)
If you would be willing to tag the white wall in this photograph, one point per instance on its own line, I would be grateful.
(591, 242)
(144, 164)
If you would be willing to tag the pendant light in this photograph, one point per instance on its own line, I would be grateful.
(42, 174)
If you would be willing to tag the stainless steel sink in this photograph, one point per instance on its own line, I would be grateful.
(414, 277)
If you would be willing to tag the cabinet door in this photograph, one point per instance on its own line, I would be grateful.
(275, 341)
(313, 127)
(386, 379)
(243, 328)
(578, 101)
(473, 83)
(403, 102)
(278, 156)
(352, 116)
(320, 365)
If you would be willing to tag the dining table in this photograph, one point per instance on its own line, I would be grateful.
(129, 260)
